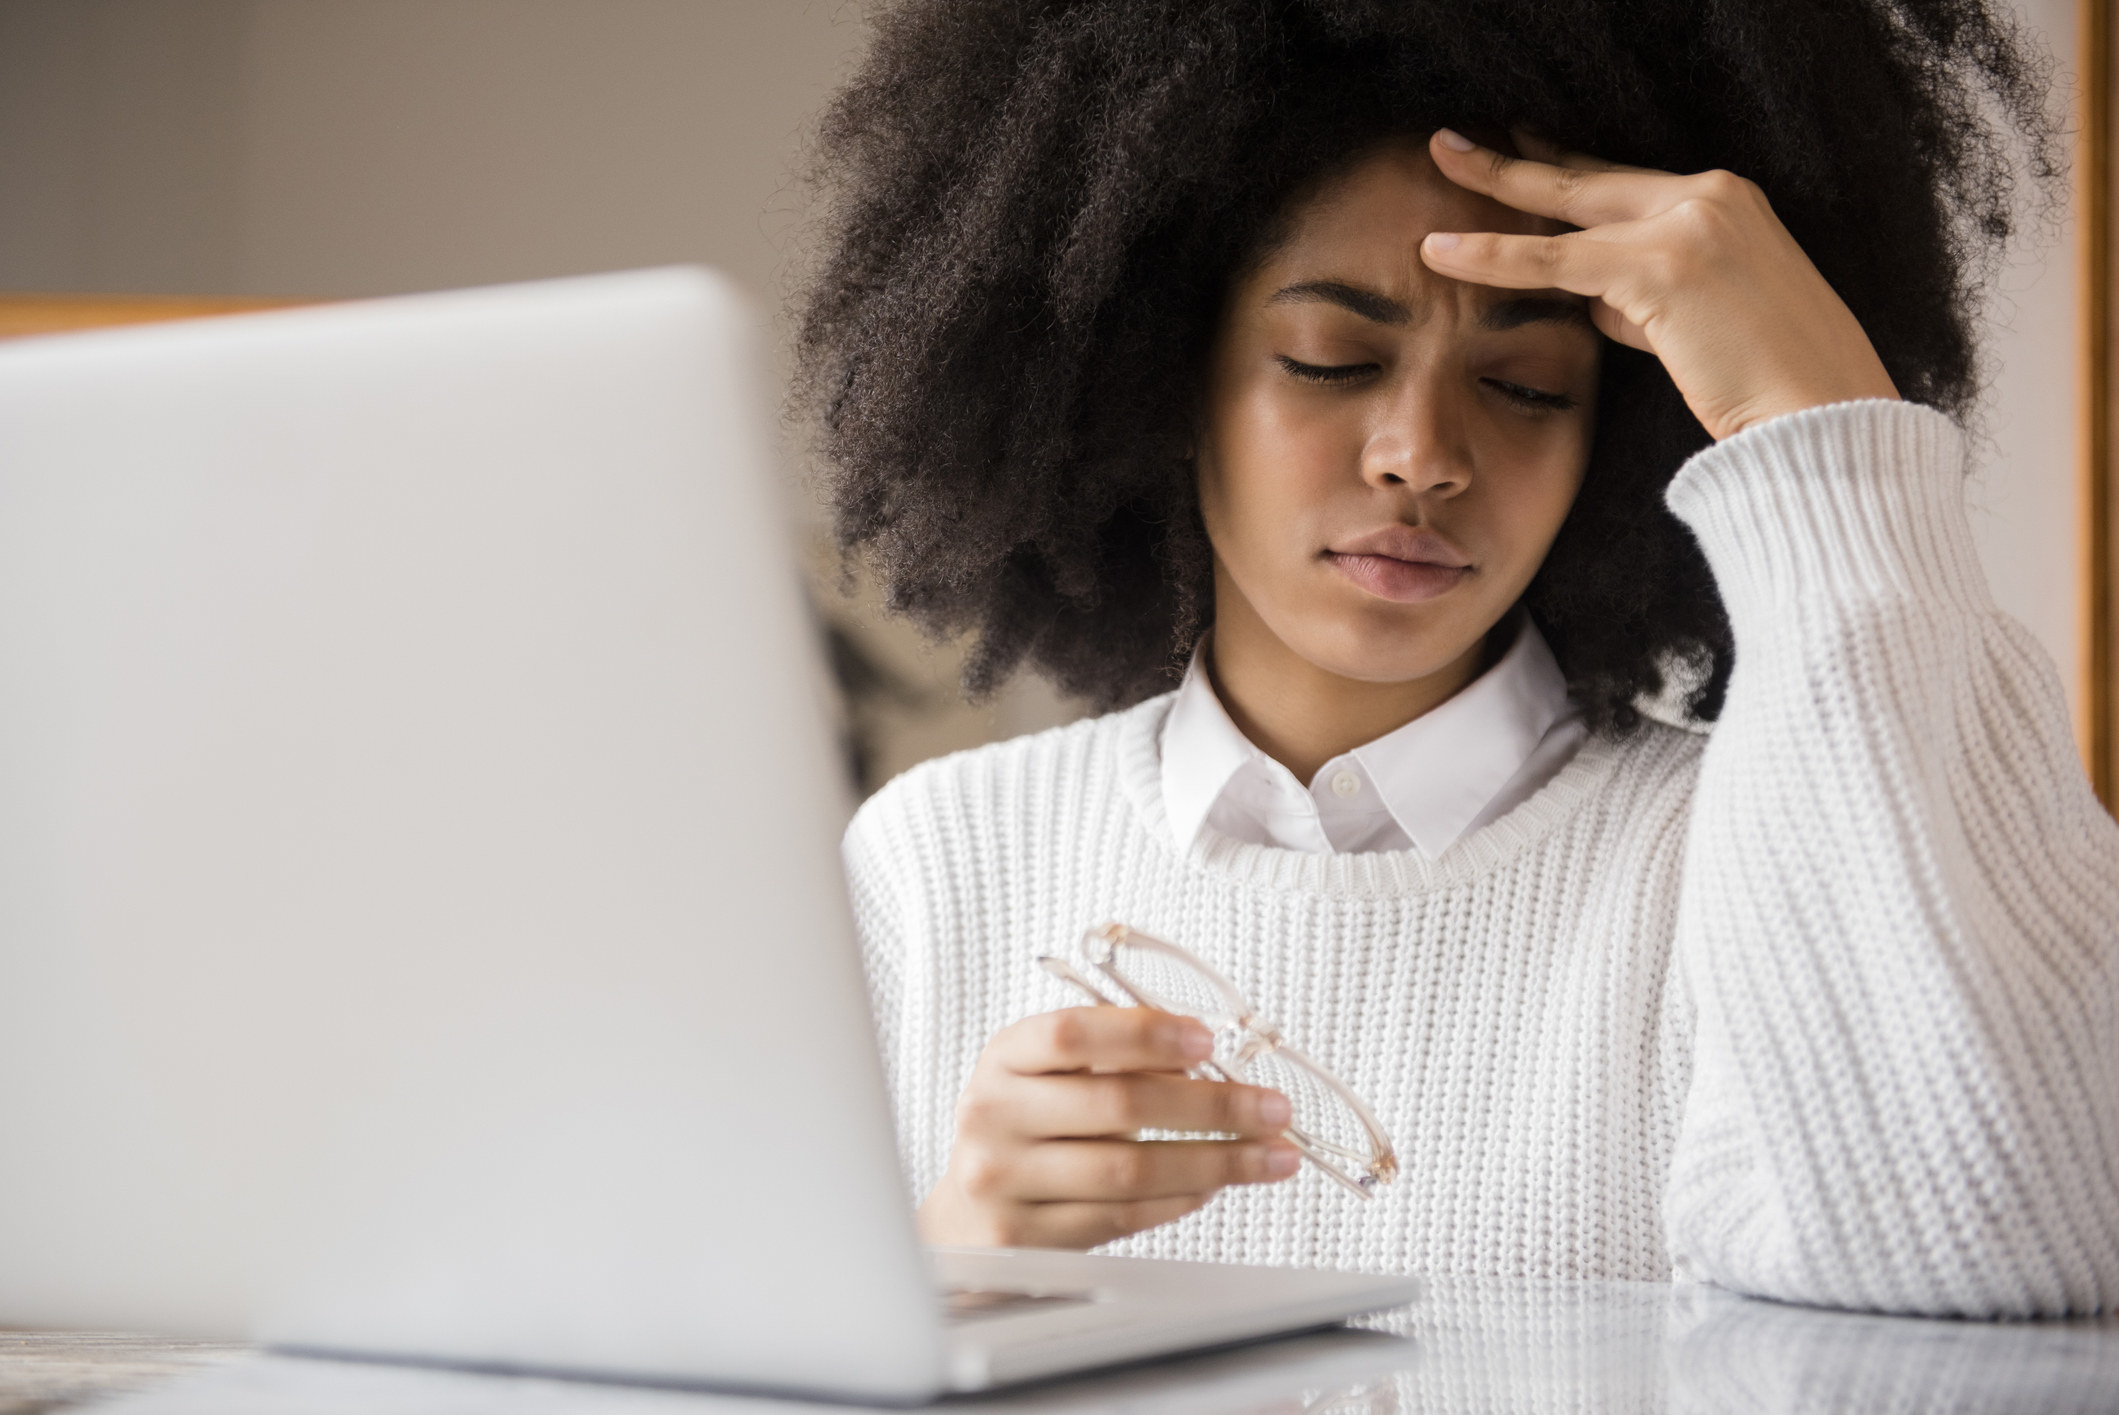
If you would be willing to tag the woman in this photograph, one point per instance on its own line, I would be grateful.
(1285, 377)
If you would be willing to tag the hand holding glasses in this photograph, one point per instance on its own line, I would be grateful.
(1332, 1128)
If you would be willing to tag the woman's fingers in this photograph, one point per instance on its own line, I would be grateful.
(1043, 1155)
(1697, 270)
(1540, 149)
(1100, 1039)
(1524, 262)
(1579, 195)
(1076, 1224)
(1061, 1107)
(1600, 267)
(1126, 1170)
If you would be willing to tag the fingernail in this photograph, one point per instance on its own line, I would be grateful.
(1281, 1161)
(1195, 1041)
(1443, 240)
(1275, 1110)
(1454, 140)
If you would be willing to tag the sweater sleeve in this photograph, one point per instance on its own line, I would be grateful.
(1900, 911)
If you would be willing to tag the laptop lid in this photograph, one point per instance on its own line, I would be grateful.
(421, 925)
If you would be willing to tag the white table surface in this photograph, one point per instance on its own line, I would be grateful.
(1474, 1345)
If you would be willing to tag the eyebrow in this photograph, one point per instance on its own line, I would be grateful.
(1535, 309)
(1382, 309)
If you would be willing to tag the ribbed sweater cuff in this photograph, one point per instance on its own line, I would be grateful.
(1854, 502)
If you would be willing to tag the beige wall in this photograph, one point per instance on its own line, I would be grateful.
(121, 129)
(356, 147)
(361, 147)
(404, 144)
(2025, 490)
(349, 147)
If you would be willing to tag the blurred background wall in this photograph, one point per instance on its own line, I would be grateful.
(335, 148)
(361, 147)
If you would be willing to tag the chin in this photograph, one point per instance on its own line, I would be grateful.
(1374, 642)
(1387, 658)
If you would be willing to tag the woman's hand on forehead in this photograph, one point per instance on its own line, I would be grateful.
(1696, 270)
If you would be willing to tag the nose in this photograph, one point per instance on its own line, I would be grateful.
(1418, 443)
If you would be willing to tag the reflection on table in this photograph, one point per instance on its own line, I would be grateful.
(1473, 1346)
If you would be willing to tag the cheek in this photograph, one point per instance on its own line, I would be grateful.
(1267, 466)
(1528, 498)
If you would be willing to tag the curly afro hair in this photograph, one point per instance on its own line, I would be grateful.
(1037, 207)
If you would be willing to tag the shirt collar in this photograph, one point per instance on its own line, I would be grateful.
(1439, 771)
(1434, 775)
(1203, 751)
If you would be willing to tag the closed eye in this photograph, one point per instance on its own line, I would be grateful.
(1327, 373)
(1529, 397)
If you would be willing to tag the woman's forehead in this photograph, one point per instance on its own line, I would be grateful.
(1363, 229)
(1390, 198)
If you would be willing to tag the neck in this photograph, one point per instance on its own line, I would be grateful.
(1301, 715)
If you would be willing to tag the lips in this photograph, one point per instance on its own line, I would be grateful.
(1404, 564)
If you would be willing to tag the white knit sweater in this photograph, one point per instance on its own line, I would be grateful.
(1822, 1007)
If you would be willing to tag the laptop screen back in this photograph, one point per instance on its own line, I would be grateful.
(421, 930)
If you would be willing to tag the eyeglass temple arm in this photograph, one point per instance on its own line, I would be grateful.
(1067, 973)
(1316, 1151)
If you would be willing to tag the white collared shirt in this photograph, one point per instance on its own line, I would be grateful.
(1451, 770)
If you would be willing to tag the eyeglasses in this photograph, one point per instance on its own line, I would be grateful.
(1332, 1128)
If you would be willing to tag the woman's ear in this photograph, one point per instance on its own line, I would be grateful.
(1184, 440)
(1192, 436)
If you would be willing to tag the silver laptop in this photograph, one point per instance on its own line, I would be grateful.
(421, 930)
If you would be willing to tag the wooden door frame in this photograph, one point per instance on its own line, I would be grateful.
(2096, 192)
(24, 313)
